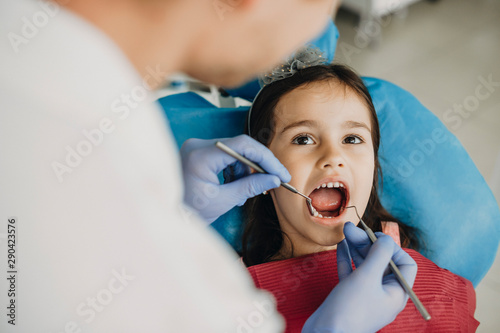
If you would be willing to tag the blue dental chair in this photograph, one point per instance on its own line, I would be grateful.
(429, 180)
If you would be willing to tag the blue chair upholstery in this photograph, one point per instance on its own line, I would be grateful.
(191, 116)
(429, 180)
(431, 183)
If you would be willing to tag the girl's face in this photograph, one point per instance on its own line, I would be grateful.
(323, 137)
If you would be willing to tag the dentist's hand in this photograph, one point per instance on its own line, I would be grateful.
(368, 298)
(202, 161)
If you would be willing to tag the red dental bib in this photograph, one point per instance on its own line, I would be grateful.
(301, 284)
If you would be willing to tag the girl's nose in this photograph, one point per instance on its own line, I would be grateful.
(331, 157)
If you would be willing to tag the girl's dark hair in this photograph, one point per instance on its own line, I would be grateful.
(262, 235)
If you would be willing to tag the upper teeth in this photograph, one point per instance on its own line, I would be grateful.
(331, 185)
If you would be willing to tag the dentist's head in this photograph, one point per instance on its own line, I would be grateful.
(220, 41)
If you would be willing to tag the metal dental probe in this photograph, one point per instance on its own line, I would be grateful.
(257, 168)
(420, 307)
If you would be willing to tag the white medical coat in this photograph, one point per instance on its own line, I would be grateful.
(90, 182)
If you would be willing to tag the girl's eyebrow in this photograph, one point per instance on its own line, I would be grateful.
(356, 124)
(309, 123)
(312, 123)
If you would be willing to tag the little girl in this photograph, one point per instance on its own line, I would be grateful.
(321, 124)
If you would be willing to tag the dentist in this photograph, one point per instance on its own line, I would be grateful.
(94, 232)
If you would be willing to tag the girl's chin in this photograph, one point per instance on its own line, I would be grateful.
(326, 244)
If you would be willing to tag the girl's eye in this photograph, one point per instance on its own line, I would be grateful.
(303, 139)
(353, 139)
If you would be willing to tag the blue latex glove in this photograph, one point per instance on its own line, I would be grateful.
(202, 162)
(370, 297)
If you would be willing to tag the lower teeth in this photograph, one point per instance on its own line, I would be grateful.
(316, 214)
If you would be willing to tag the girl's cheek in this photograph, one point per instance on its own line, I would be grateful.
(297, 166)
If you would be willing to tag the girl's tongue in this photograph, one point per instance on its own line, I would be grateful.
(326, 199)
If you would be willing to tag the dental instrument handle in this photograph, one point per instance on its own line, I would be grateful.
(257, 168)
(293, 189)
(253, 165)
(239, 157)
(418, 304)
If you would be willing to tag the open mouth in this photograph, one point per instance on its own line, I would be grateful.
(329, 199)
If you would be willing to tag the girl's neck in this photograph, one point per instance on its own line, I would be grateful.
(289, 251)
